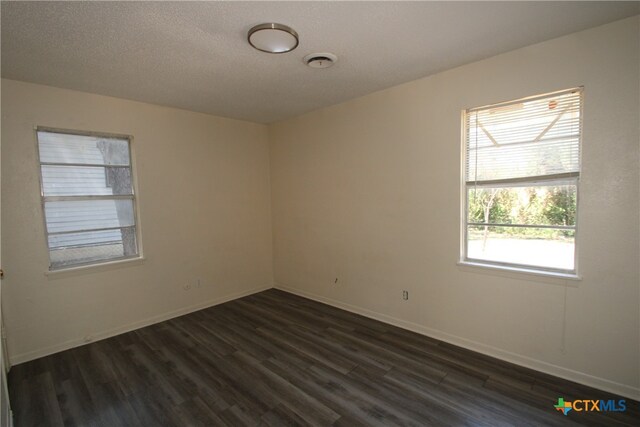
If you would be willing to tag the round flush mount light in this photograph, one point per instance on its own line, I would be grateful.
(273, 38)
(320, 60)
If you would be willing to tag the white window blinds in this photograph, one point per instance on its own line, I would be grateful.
(88, 198)
(533, 139)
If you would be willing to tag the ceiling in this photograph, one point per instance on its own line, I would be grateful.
(194, 55)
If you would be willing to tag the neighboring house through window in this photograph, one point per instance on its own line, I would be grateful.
(88, 197)
(521, 174)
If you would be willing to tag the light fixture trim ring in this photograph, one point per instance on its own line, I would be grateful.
(273, 26)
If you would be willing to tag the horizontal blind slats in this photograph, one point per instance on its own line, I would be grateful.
(93, 238)
(532, 138)
(82, 149)
(88, 215)
(85, 181)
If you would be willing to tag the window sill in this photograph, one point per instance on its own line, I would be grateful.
(93, 268)
(565, 279)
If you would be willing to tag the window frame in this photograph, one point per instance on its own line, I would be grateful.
(133, 197)
(531, 181)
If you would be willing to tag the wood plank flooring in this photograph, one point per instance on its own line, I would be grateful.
(276, 359)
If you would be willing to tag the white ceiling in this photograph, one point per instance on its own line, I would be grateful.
(194, 55)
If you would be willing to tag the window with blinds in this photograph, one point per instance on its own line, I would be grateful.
(87, 197)
(521, 171)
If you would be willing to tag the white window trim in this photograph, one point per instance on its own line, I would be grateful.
(520, 273)
(109, 265)
(100, 265)
(498, 267)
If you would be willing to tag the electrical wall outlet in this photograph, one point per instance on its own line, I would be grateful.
(186, 286)
(405, 295)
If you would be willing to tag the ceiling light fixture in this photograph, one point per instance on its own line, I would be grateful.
(273, 38)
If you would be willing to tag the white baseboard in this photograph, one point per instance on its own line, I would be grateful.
(518, 359)
(77, 342)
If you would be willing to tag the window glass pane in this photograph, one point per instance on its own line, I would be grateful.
(522, 163)
(86, 247)
(84, 149)
(79, 215)
(527, 246)
(85, 181)
(533, 205)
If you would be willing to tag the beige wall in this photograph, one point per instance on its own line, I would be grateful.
(204, 198)
(369, 191)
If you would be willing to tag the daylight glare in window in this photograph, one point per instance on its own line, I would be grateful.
(522, 167)
(87, 197)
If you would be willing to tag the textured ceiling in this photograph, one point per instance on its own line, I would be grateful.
(194, 55)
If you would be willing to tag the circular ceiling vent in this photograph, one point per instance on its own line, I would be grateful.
(320, 60)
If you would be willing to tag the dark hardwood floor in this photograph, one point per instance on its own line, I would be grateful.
(277, 359)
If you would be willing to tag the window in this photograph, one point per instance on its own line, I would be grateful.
(87, 197)
(521, 172)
